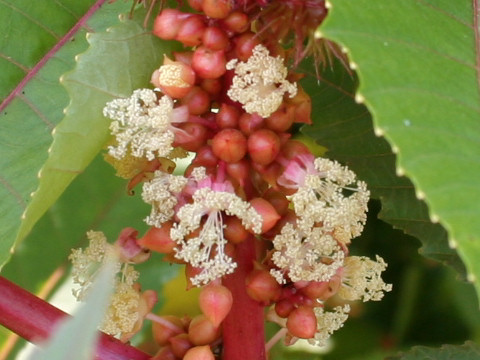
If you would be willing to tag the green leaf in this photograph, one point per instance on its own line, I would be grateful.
(419, 76)
(117, 62)
(32, 31)
(75, 337)
(467, 351)
(346, 129)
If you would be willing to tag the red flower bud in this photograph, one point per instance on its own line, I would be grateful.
(158, 239)
(215, 38)
(263, 146)
(236, 22)
(227, 116)
(230, 145)
(209, 64)
(197, 101)
(234, 230)
(167, 24)
(191, 31)
(217, 9)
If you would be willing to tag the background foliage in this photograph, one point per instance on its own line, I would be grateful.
(418, 69)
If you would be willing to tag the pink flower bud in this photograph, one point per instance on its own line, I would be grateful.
(267, 212)
(180, 345)
(302, 322)
(199, 353)
(262, 287)
(215, 302)
(165, 328)
(201, 331)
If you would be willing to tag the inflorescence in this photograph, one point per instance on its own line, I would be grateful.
(231, 98)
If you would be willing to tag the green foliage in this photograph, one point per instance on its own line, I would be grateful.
(467, 351)
(417, 65)
(345, 128)
(29, 30)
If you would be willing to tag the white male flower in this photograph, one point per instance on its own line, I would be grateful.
(331, 196)
(123, 310)
(161, 192)
(311, 255)
(207, 250)
(328, 322)
(260, 83)
(142, 123)
(361, 279)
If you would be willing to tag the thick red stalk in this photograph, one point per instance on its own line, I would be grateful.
(243, 328)
(35, 319)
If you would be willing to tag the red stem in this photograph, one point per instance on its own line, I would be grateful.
(34, 319)
(243, 328)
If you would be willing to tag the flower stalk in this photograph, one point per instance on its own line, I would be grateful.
(243, 328)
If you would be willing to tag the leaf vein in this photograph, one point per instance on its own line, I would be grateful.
(15, 193)
(33, 20)
(37, 111)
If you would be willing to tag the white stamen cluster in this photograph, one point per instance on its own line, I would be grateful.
(361, 279)
(141, 123)
(260, 83)
(328, 322)
(321, 199)
(161, 192)
(206, 251)
(122, 312)
(311, 256)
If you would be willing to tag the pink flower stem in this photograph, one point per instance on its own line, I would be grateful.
(243, 328)
(35, 320)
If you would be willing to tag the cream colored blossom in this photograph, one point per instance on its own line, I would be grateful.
(161, 192)
(334, 198)
(328, 322)
(172, 75)
(207, 250)
(361, 279)
(122, 312)
(86, 263)
(311, 255)
(260, 83)
(141, 123)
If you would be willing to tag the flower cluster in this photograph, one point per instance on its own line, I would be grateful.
(231, 101)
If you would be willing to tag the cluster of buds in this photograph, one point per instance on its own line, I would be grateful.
(230, 99)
